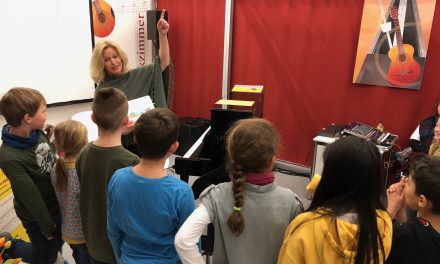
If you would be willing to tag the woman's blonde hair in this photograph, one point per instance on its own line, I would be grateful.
(70, 138)
(251, 145)
(97, 71)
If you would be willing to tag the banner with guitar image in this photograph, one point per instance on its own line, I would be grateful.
(393, 42)
(103, 18)
(125, 22)
(403, 70)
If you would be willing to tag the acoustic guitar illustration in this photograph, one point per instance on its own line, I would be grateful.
(103, 18)
(404, 70)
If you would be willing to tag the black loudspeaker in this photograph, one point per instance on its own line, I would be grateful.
(153, 17)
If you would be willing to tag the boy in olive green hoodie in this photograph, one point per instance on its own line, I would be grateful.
(27, 158)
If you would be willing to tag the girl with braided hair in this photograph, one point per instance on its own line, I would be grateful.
(250, 213)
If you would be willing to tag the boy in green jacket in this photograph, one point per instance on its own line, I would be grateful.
(95, 166)
(27, 158)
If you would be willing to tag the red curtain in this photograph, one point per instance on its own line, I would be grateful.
(196, 46)
(303, 52)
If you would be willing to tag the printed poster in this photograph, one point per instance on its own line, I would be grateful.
(393, 42)
(125, 22)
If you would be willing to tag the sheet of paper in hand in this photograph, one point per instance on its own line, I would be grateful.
(139, 106)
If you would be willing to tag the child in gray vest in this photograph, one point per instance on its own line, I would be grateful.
(250, 213)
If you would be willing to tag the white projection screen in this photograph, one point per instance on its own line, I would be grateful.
(46, 45)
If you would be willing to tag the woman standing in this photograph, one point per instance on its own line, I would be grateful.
(109, 68)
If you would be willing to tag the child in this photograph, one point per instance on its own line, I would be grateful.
(417, 240)
(346, 221)
(251, 213)
(27, 158)
(70, 138)
(18, 249)
(422, 137)
(96, 164)
(434, 149)
(146, 205)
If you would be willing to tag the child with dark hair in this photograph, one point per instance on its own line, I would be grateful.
(251, 213)
(147, 205)
(27, 157)
(95, 166)
(346, 221)
(434, 149)
(418, 239)
(70, 138)
(423, 135)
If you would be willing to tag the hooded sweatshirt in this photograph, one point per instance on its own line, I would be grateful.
(27, 163)
(312, 238)
(415, 241)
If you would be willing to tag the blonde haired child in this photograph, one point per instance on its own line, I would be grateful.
(70, 138)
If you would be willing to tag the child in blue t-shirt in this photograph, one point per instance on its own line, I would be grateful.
(146, 205)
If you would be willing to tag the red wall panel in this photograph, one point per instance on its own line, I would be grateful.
(303, 52)
(196, 46)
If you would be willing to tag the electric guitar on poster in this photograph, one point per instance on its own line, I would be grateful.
(103, 18)
(404, 70)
